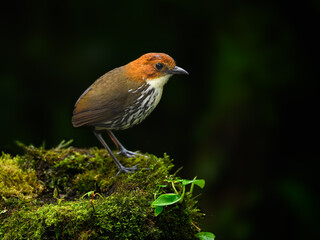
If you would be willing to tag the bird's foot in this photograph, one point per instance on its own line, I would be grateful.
(127, 153)
(127, 170)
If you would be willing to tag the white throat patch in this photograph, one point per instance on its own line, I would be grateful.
(159, 82)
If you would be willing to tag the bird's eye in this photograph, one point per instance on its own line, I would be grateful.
(159, 66)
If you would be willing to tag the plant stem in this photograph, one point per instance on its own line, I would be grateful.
(175, 190)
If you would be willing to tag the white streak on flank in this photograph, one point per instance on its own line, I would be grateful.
(138, 88)
(135, 90)
(140, 97)
(147, 99)
(141, 86)
(131, 90)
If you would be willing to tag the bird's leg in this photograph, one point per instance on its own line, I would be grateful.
(116, 161)
(120, 147)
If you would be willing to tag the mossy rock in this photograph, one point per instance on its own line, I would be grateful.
(70, 193)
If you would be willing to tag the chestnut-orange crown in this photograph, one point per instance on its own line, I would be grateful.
(149, 66)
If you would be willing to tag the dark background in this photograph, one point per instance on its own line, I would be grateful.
(245, 119)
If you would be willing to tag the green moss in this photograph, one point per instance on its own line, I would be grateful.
(47, 222)
(16, 183)
(41, 197)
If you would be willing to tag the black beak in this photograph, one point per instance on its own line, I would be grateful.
(178, 70)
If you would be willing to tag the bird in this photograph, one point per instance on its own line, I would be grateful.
(123, 98)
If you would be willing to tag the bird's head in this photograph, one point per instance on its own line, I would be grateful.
(151, 67)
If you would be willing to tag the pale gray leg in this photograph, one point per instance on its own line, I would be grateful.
(120, 147)
(116, 161)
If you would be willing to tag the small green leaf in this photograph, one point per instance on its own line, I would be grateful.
(87, 194)
(158, 210)
(205, 236)
(166, 199)
(198, 182)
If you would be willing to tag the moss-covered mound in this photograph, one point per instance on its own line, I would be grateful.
(70, 193)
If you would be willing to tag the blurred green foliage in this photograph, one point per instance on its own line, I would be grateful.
(245, 119)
